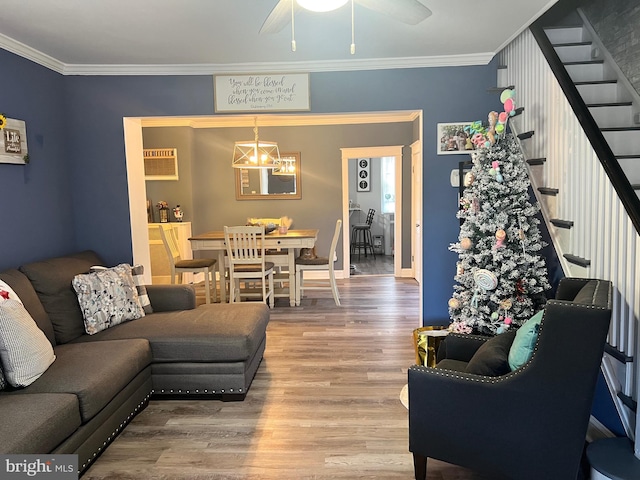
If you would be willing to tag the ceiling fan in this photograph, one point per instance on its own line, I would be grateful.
(411, 12)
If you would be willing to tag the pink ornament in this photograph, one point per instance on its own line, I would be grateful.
(507, 320)
(496, 165)
(502, 118)
(509, 105)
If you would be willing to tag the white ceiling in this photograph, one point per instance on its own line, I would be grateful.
(222, 36)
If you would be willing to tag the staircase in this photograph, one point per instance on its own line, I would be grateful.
(580, 133)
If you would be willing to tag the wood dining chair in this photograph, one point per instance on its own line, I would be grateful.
(179, 266)
(246, 255)
(319, 264)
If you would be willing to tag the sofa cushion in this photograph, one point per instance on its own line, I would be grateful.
(51, 280)
(491, 359)
(522, 347)
(95, 372)
(107, 297)
(209, 333)
(37, 423)
(24, 349)
(29, 298)
(594, 292)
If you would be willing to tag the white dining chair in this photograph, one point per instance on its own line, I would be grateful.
(319, 264)
(179, 266)
(246, 256)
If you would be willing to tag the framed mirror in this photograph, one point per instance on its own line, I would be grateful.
(271, 184)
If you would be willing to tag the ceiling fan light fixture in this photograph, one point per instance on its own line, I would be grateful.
(321, 5)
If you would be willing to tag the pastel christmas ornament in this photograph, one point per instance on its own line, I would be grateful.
(485, 279)
(500, 237)
(454, 303)
(466, 243)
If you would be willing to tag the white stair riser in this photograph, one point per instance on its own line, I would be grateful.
(563, 238)
(624, 142)
(603, 93)
(565, 35)
(574, 53)
(615, 116)
(502, 78)
(586, 72)
(631, 167)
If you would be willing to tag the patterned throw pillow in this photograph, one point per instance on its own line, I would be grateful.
(3, 381)
(107, 298)
(138, 271)
(24, 349)
(6, 292)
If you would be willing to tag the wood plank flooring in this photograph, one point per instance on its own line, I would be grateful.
(324, 403)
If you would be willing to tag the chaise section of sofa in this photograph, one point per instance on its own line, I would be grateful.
(98, 383)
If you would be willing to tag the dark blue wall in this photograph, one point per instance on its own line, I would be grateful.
(86, 169)
(37, 219)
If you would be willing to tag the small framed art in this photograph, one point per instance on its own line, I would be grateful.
(453, 139)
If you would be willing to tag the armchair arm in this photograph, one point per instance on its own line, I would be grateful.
(461, 347)
(166, 298)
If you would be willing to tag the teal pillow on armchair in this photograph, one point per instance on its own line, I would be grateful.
(522, 347)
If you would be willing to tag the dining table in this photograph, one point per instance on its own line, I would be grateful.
(289, 242)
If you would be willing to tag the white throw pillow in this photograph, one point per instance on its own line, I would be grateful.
(24, 349)
(6, 292)
(107, 298)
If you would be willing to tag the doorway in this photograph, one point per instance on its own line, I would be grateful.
(372, 198)
(389, 220)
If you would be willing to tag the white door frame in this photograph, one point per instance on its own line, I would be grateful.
(372, 152)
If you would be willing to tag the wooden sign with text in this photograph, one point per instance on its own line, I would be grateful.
(262, 92)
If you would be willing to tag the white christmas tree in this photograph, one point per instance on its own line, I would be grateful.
(501, 277)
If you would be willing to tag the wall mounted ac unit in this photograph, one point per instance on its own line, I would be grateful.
(160, 163)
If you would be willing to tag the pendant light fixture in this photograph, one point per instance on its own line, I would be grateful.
(287, 166)
(256, 153)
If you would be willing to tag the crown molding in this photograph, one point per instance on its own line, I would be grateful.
(36, 56)
(354, 64)
(292, 67)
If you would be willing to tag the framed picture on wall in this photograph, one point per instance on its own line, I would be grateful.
(364, 180)
(453, 139)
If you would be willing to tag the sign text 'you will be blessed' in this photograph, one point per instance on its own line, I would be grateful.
(264, 92)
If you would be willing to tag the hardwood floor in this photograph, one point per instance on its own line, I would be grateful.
(380, 265)
(324, 403)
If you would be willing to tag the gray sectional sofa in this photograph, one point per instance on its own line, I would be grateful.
(99, 382)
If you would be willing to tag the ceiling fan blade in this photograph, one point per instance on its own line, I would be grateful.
(279, 17)
(406, 11)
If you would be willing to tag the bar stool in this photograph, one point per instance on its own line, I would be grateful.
(361, 236)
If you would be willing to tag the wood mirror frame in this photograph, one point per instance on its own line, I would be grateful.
(245, 177)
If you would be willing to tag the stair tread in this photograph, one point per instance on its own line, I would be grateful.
(583, 262)
(499, 89)
(610, 104)
(536, 161)
(548, 190)
(525, 135)
(572, 44)
(621, 129)
(558, 27)
(585, 62)
(561, 223)
(596, 82)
